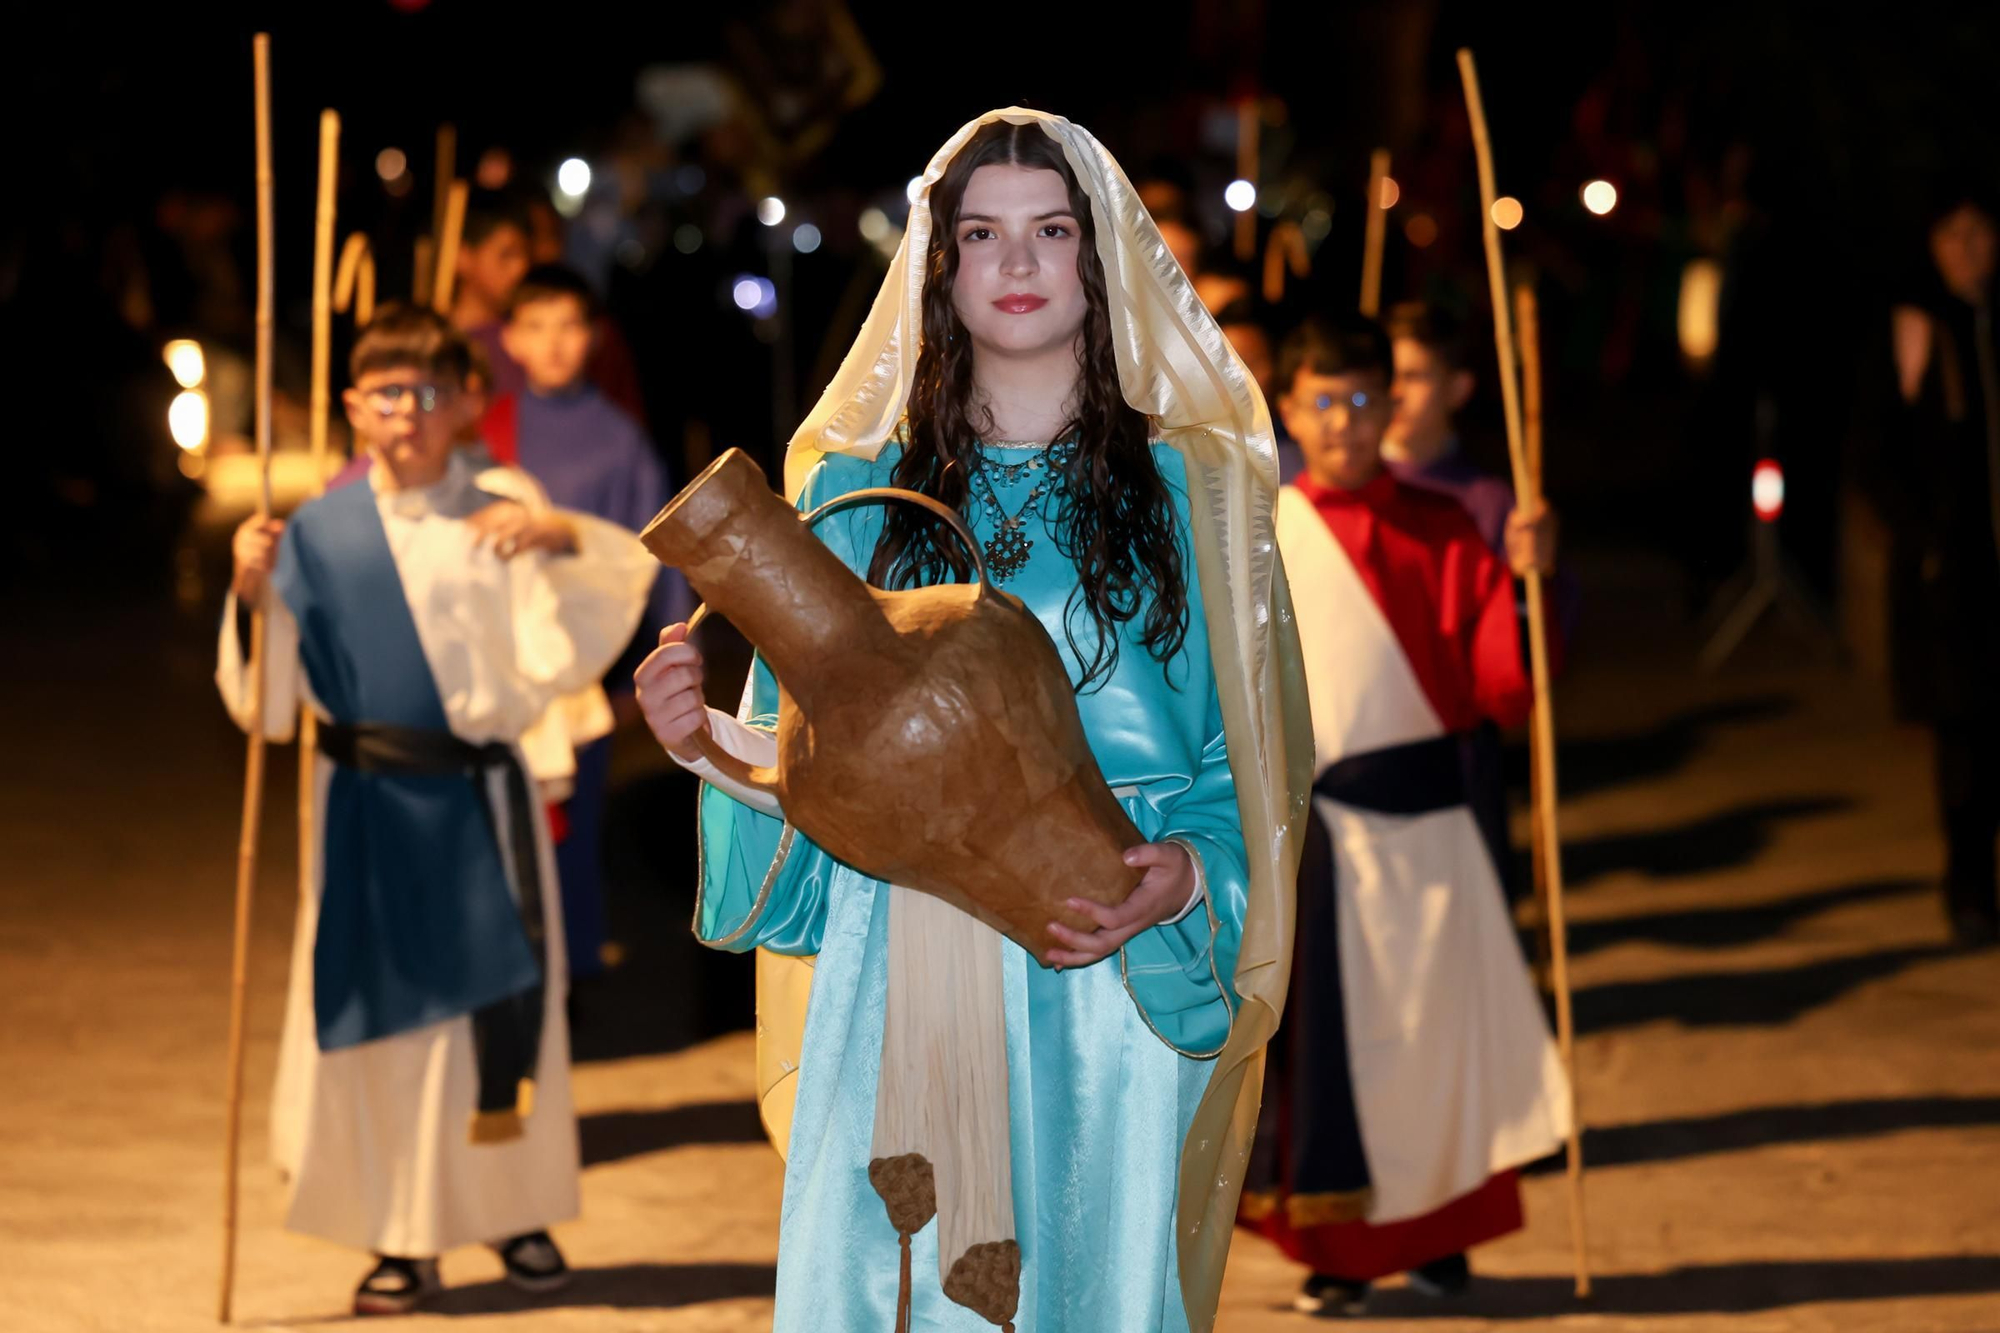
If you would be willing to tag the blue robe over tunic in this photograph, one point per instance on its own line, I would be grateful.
(417, 924)
(1106, 1064)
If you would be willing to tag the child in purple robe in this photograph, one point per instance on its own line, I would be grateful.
(591, 457)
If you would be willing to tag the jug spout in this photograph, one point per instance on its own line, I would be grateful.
(745, 551)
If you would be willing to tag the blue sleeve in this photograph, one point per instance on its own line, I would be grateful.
(1182, 975)
(763, 884)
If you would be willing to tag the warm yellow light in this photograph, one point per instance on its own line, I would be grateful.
(391, 164)
(1421, 230)
(184, 359)
(1600, 197)
(1506, 212)
(1700, 309)
(187, 419)
(1391, 192)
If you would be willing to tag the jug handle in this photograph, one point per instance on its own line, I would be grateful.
(765, 780)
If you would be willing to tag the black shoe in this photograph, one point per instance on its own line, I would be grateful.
(534, 1263)
(1331, 1297)
(397, 1286)
(1445, 1277)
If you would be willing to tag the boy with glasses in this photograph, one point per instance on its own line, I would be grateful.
(1413, 1071)
(429, 625)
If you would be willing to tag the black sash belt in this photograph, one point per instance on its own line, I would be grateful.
(507, 1034)
(1411, 779)
(1309, 1148)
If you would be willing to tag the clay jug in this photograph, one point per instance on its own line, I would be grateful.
(927, 737)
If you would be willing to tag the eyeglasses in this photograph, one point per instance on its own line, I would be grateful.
(390, 399)
(1358, 401)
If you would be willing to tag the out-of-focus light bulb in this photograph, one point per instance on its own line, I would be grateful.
(1391, 192)
(805, 238)
(391, 163)
(1240, 195)
(770, 210)
(1600, 197)
(1767, 490)
(573, 177)
(1507, 212)
(185, 360)
(1700, 313)
(187, 419)
(874, 224)
(914, 190)
(1421, 230)
(746, 293)
(687, 238)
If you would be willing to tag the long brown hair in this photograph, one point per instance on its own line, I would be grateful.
(1114, 517)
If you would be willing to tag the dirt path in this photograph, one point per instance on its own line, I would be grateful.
(1793, 1089)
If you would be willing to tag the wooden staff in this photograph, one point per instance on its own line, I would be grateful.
(253, 778)
(424, 270)
(322, 406)
(447, 255)
(1284, 250)
(354, 280)
(1526, 491)
(1527, 331)
(1378, 222)
(447, 172)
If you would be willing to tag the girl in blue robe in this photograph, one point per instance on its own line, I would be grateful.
(1034, 409)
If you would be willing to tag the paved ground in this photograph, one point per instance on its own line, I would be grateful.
(1793, 1089)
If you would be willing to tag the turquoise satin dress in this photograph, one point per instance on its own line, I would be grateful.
(1105, 1063)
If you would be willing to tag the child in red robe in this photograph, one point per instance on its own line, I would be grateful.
(1413, 1071)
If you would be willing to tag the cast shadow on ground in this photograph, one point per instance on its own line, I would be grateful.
(1714, 842)
(1704, 1289)
(617, 1287)
(614, 1136)
(620, 1287)
(1742, 999)
(1758, 1127)
(1595, 763)
(1728, 927)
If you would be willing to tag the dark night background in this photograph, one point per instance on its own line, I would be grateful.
(1794, 144)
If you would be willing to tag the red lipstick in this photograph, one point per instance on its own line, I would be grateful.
(1020, 303)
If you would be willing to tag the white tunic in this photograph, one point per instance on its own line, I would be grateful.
(1455, 1076)
(374, 1137)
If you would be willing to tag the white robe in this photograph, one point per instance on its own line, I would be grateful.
(1455, 1076)
(374, 1137)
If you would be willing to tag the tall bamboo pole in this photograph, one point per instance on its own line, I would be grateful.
(1525, 493)
(446, 172)
(321, 400)
(1378, 221)
(354, 280)
(447, 254)
(1284, 251)
(425, 270)
(253, 777)
(1527, 331)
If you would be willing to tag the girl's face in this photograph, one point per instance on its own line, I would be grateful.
(1017, 291)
